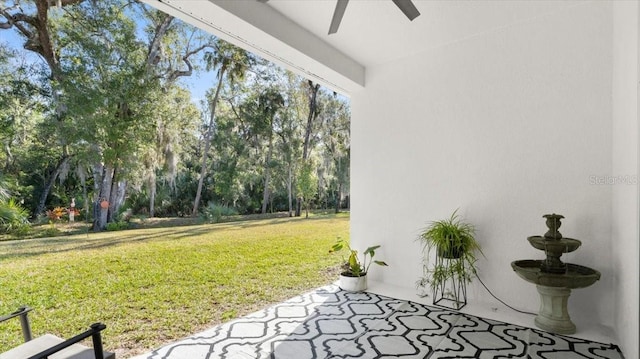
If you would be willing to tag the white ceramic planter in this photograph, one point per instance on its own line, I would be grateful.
(353, 284)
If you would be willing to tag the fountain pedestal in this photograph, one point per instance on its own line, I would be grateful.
(553, 278)
(554, 315)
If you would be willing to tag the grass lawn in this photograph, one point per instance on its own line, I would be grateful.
(156, 285)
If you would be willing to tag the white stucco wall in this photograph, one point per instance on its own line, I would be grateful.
(624, 228)
(506, 125)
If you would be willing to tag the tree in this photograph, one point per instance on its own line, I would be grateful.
(231, 63)
(118, 83)
(21, 108)
(307, 185)
(229, 165)
(35, 28)
(109, 95)
(270, 103)
(259, 111)
(12, 106)
(312, 95)
(172, 44)
(112, 121)
(175, 117)
(335, 150)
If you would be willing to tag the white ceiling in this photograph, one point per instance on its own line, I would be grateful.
(294, 33)
(376, 31)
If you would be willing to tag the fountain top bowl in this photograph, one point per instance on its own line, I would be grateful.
(563, 245)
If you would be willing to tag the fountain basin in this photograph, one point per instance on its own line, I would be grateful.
(554, 279)
(559, 246)
(575, 276)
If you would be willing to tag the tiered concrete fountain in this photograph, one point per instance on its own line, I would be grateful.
(553, 278)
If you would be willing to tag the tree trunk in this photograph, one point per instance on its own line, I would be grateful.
(49, 184)
(290, 190)
(97, 172)
(119, 197)
(298, 206)
(207, 143)
(101, 214)
(85, 199)
(338, 197)
(113, 195)
(152, 196)
(8, 155)
(313, 96)
(267, 176)
(105, 195)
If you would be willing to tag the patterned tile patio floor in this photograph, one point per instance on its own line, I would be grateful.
(331, 323)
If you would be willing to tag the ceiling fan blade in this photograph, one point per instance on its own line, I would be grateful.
(407, 8)
(341, 5)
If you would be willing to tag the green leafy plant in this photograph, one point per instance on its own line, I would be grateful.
(454, 240)
(13, 217)
(353, 266)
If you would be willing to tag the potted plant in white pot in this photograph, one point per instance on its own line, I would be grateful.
(455, 245)
(353, 277)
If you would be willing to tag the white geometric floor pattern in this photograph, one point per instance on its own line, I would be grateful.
(329, 323)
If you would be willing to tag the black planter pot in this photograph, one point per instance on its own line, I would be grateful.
(450, 253)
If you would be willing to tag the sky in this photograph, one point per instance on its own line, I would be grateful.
(12, 39)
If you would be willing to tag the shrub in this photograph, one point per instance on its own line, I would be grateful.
(125, 215)
(21, 231)
(213, 213)
(117, 226)
(13, 217)
(56, 214)
(50, 232)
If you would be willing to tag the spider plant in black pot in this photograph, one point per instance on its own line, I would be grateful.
(455, 245)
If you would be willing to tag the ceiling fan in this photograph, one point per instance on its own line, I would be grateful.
(406, 6)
